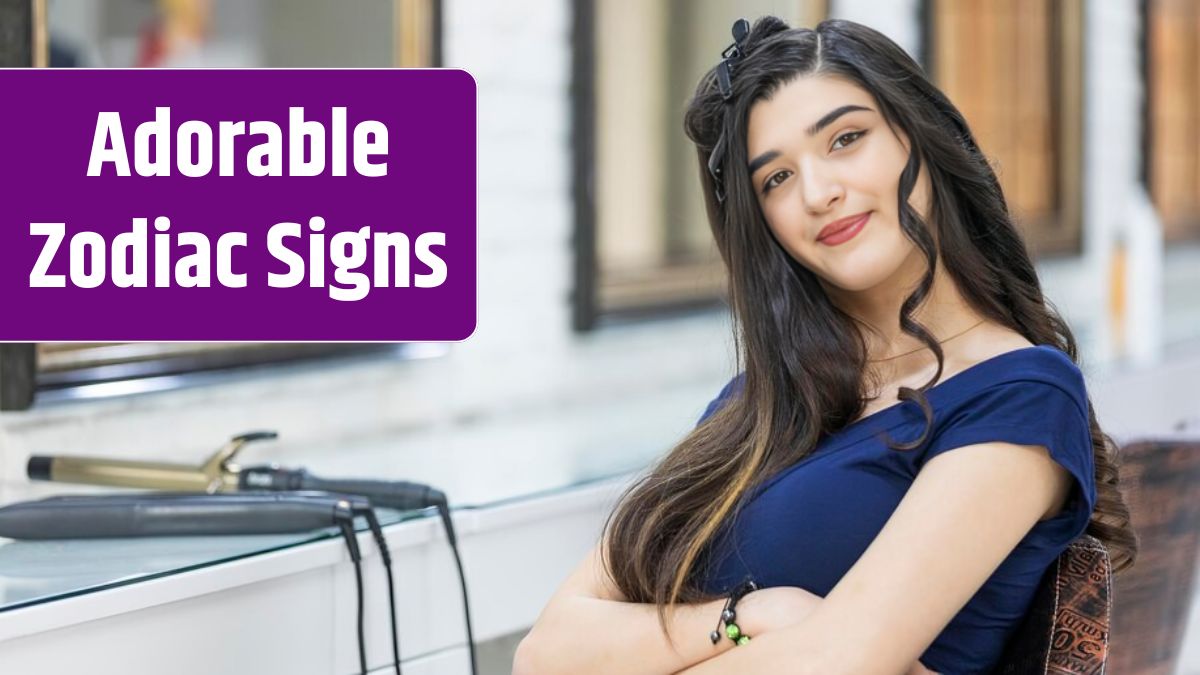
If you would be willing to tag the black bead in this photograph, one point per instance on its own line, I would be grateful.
(728, 616)
(715, 637)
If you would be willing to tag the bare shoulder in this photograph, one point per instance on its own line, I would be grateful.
(987, 341)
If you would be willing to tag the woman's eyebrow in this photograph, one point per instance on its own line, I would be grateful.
(832, 116)
(829, 118)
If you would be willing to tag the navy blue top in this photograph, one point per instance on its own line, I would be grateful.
(808, 524)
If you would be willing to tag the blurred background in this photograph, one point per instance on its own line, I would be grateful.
(602, 325)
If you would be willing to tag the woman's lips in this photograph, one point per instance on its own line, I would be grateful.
(846, 233)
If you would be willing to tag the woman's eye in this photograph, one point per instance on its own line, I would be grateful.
(853, 136)
(774, 180)
(845, 139)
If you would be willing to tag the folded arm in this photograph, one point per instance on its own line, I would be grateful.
(965, 512)
(588, 627)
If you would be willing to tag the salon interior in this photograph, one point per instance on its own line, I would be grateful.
(603, 329)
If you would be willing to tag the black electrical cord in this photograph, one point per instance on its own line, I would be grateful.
(347, 527)
(377, 532)
(161, 513)
(443, 508)
(414, 496)
(357, 505)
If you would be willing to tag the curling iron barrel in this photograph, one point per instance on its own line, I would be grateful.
(127, 473)
(219, 474)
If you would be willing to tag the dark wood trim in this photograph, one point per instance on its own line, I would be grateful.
(85, 370)
(18, 375)
(925, 30)
(583, 121)
(1071, 118)
(1185, 232)
(437, 58)
(18, 364)
(16, 33)
(1147, 131)
(674, 310)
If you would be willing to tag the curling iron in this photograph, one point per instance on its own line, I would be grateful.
(219, 473)
(190, 514)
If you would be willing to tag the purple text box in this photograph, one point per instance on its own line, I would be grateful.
(424, 202)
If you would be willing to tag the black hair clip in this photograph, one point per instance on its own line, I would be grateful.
(714, 168)
(730, 56)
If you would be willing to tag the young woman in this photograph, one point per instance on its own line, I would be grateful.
(910, 443)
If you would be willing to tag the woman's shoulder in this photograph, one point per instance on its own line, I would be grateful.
(1025, 366)
(1018, 384)
(1002, 357)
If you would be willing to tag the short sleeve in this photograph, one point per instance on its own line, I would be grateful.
(733, 386)
(1030, 412)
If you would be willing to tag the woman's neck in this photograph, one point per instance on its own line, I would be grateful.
(944, 312)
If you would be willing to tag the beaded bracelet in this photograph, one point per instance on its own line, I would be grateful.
(729, 615)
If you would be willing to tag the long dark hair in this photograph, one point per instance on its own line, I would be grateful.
(803, 358)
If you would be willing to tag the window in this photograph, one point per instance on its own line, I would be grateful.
(1014, 69)
(1171, 171)
(198, 33)
(643, 244)
(22, 34)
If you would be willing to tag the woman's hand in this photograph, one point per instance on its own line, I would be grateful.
(769, 609)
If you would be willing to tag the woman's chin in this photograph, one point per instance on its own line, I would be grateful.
(860, 276)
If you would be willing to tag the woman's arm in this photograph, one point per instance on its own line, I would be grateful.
(769, 610)
(588, 627)
(964, 514)
(731, 664)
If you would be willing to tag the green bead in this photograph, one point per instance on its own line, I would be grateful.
(733, 631)
(743, 640)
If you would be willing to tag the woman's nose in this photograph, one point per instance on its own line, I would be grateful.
(820, 190)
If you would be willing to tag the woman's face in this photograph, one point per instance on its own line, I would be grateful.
(820, 152)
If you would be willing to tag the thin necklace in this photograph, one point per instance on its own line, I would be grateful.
(920, 348)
